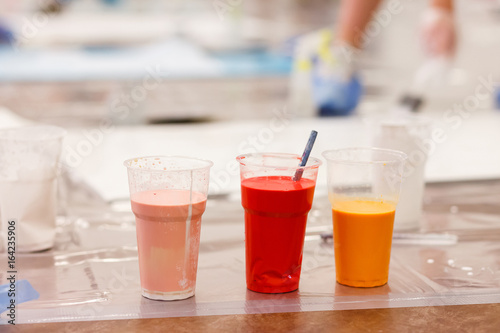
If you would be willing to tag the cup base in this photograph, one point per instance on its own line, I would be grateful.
(167, 296)
(42, 246)
(363, 284)
(272, 290)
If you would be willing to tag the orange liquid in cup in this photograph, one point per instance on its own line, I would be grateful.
(362, 231)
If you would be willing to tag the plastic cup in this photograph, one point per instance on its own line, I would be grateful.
(29, 161)
(168, 196)
(363, 188)
(409, 134)
(276, 209)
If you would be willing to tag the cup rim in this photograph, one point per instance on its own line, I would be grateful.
(58, 134)
(399, 155)
(207, 165)
(316, 162)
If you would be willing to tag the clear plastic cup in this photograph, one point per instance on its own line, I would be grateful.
(168, 196)
(409, 134)
(29, 162)
(276, 209)
(363, 188)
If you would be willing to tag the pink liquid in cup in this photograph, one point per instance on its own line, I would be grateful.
(168, 237)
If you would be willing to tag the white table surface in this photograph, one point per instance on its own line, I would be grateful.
(469, 152)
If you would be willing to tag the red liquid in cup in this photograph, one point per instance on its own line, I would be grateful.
(276, 210)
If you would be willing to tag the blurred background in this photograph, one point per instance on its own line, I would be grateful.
(77, 62)
(214, 79)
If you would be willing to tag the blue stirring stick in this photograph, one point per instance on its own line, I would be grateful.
(305, 156)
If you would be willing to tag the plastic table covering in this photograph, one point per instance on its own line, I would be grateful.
(92, 274)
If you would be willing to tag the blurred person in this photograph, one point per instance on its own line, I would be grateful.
(6, 35)
(6, 32)
(331, 59)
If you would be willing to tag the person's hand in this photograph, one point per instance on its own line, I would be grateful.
(438, 33)
(335, 94)
(336, 87)
(324, 80)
